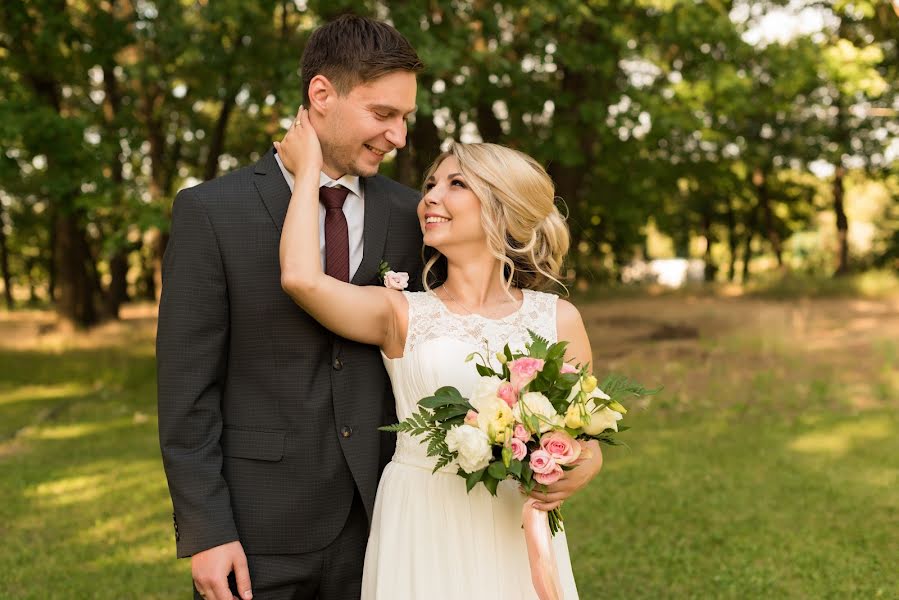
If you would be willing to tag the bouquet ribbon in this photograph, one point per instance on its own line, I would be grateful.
(542, 558)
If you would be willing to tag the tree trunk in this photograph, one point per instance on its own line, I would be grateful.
(751, 222)
(4, 267)
(710, 268)
(842, 222)
(425, 146)
(146, 281)
(51, 258)
(489, 127)
(732, 242)
(117, 294)
(76, 287)
(406, 171)
(118, 262)
(217, 144)
(760, 181)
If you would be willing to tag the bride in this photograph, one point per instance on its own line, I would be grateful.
(489, 219)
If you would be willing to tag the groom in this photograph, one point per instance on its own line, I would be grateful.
(268, 422)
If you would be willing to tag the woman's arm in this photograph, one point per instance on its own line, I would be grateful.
(371, 315)
(570, 328)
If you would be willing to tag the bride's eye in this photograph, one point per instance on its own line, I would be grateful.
(429, 186)
(460, 183)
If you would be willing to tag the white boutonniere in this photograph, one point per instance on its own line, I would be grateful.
(392, 279)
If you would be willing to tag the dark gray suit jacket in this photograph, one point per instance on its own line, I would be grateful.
(267, 421)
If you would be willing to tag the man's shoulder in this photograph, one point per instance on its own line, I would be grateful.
(235, 182)
(396, 191)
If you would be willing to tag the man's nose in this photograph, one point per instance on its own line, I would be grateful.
(396, 135)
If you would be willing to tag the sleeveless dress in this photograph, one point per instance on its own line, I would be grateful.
(429, 538)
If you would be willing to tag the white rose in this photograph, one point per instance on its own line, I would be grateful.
(602, 419)
(538, 405)
(472, 445)
(485, 392)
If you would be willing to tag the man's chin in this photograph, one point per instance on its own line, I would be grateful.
(365, 170)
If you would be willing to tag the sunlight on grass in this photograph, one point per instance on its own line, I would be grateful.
(842, 438)
(44, 392)
(66, 432)
(71, 490)
(882, 477)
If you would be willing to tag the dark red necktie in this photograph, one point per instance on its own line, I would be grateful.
(337, 237)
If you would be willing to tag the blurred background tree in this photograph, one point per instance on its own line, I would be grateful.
(728, 131)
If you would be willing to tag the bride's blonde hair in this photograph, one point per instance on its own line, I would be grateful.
(524, 228)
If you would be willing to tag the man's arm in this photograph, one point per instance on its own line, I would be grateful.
(191, 355)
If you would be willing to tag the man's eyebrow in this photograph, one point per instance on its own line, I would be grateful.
(391, 109)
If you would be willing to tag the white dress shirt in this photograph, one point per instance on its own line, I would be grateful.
(353, 210)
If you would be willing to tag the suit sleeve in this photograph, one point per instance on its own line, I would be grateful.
(191, 357)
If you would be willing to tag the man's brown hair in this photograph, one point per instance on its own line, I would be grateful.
(352, 50)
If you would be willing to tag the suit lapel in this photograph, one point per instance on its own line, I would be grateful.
(275, 194)
(272, 187)
(377, 216)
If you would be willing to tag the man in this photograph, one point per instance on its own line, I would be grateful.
(268, 422)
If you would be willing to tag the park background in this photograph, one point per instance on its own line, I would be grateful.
(758, 137)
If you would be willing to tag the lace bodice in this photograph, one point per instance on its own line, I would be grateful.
(429, 319)
(437, 343)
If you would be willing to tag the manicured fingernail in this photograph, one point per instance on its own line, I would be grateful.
(247, 594)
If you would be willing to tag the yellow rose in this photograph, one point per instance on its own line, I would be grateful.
(494, 418)
(573, 416)
(588, 384)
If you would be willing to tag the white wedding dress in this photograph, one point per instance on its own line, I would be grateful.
(430, 540)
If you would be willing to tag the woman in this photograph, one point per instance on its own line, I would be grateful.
(488, 215)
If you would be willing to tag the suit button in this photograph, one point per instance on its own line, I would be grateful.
(337, 364)
(346, 431)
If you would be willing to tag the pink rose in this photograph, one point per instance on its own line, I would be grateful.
(563, 448)
(542, 462)
(549, 478)
(508, 394)
(524, 370)
(567, 368)
(522, 433)
(471, 418)
(396, 281)
(519, 450)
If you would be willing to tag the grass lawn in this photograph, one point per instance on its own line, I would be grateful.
(767, 468)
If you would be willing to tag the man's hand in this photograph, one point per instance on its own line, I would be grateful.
(571, 481)
(210, 569)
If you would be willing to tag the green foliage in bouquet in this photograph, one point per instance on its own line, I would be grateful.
(555, 380)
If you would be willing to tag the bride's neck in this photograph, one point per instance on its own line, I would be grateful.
(477, 282)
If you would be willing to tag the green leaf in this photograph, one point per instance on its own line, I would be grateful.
(472, 479)
(490, 483)
(556, 351)
(527, 475)
(515, 468)
(485, 371)
(497, 470)
(448, 412)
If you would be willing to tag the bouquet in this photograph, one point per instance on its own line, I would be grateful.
(529, 418)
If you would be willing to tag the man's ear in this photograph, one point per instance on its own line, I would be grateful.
(321, 94)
